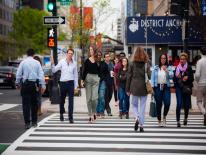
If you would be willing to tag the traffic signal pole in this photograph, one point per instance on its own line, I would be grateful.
(55, 95)
(186, 20)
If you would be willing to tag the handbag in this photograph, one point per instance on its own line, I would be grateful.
(186, 90)
(152, 110)
(148, 84)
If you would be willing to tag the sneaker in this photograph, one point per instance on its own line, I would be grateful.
(185, 122)
(204, 119)
(27, 126)
(136, 125)
(127, 115)
(164, 122)
(141, 129)
(159, 123)
(116, 104)
(34, 124)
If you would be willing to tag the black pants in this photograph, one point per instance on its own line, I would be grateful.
(108, 96)
(67, 88)
(29, 101)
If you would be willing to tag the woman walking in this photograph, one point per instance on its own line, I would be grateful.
(91, 79)
(183, 79)
(160, 81)
(123, 97)
(136, 86)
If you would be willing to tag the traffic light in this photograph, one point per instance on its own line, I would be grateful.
(51, 6)
(179, 7)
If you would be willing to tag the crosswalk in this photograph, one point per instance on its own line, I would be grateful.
(110, 136)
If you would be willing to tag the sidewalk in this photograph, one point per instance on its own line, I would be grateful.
(80, 105)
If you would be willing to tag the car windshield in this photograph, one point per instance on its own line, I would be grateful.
(47, 71)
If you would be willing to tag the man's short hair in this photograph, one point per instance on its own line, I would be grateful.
(107, 53)
(122, 54)
(70, 49)
(30, 52)
(203, 50)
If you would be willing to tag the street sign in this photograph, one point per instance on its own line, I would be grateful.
(51, 20)
(64, 3)
(65, 0)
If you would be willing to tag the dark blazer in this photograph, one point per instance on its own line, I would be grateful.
(135, 83)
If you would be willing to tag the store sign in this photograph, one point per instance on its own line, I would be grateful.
(159, 30)
(204, 7)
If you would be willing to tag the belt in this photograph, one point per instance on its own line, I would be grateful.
(67, 81)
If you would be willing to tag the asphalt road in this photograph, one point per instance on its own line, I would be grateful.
(11, 120)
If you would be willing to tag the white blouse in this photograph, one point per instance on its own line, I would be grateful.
(162, 77)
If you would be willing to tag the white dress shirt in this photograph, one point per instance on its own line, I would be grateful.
(68, 71)
(30, 69)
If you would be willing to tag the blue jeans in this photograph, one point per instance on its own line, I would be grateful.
(182, 99)
(123, 100)
(162, 96)
(101, 99)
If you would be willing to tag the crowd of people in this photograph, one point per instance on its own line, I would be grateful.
(122, 77)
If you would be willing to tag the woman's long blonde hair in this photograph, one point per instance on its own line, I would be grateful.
(140, 55)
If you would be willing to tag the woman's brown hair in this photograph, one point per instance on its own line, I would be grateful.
(140, 55)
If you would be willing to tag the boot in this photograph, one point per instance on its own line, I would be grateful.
(127, 115)
(120, 115)
(204, 119)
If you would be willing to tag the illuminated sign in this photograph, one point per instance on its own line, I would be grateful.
(51, 38)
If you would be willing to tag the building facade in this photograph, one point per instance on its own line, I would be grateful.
(7, 8)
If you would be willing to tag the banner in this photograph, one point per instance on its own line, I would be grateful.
(88, 17)
(74, 18)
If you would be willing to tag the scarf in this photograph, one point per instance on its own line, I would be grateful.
(181, 68)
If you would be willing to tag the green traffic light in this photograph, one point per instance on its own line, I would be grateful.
(50, 6)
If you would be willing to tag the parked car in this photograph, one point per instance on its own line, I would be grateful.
(14, 63)
(8, 76)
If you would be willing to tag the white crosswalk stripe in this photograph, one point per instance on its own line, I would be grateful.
(110, 136)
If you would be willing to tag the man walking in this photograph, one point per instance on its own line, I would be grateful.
(30, 77)
(200, 76)
(109, 83)
(68, 81)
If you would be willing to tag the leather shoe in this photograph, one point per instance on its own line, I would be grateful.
(71, 121)
(185, 122)
(61, 117)
(204, 119)
(178, 124)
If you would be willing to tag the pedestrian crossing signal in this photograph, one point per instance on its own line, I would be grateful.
(51, 43)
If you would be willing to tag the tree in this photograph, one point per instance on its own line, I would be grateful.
(29, 31)
(102, 12)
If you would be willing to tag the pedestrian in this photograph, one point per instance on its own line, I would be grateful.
(123, 97)
(103, 73)
(136, 85)
(39, 112)
(200, 77)
(183, 79)
(90, 78)
(29, 78)
(109, 83)
(68, 82)
(160, 81)
(116, 63)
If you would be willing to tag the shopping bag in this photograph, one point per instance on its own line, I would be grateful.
(152, 110)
